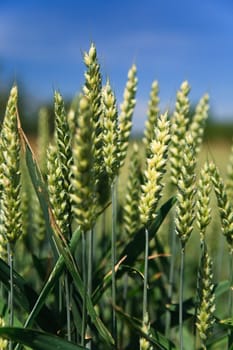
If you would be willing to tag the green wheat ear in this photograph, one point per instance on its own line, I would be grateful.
(185, 213)
(58, 195)
(92, 89)
(3, 342)
(131, 214)
(3, 247)
(63, 142)
(224, 205)
(84, 194)
(126, 113)
(153, 113)
(206, 298)
(110, 132)
(179, 122)
(229, 182)
(155, 169)
(10, 172)
(197, 126)
(72, 115)
(144, 343)
(43, 139)
(203, 201)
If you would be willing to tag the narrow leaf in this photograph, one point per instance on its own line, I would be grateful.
(221, 287)
(26, 297)
(37, 340)
(136, 246)
(155, 338)
(52, 279)
(55, 234)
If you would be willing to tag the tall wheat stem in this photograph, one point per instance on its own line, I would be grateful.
(90, 267)
(181, 296)
(230, 302)
(84, 305)
(113, 257)
(67, 299)
(11, 291)
(144, 305)
(90, 259)
(173, 243)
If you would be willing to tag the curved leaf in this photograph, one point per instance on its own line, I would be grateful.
(134, 248)
(60, 246)
(26, 297)
(155, 338)
(52, 279)
(37, 340)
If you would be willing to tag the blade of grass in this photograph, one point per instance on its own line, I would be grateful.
(37, 340)
(58, 238)
(156, 339)
(25, 297)
(134, 248)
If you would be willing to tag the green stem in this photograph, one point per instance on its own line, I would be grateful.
(60, 295)
(56, 273)
(144, 305)
(171, 279)
(11, 292)
(113, 257)
(67, 297)
(202, 249)
(182, 254)
(90, 269)
(145, 318)
(84, 305)
(230, 302)
(90, 260)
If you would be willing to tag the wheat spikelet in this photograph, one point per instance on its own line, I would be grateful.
(229, 182)
(3, 342)
(153, 113)
(144, 343)
(126, 113)
(155, 169)
(186, 193)
(83, 181)
(92, 89)
(58, 196)
(110, 132)
(179, 122)
(10, 172)
(206, 298)
(203, 201)
(131, 214)
(197, 125)
(224, 205)
(43, 139)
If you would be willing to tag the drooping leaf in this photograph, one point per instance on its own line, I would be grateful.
(51, 281)
(107, 279)
(37, 340)
(219, 335)
(136, 246)
(221, 287)
(26, 297)
(55, 235)
(155, 338)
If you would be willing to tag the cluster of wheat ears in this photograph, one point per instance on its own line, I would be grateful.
(80, 269)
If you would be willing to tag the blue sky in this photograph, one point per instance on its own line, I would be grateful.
(41, 44)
